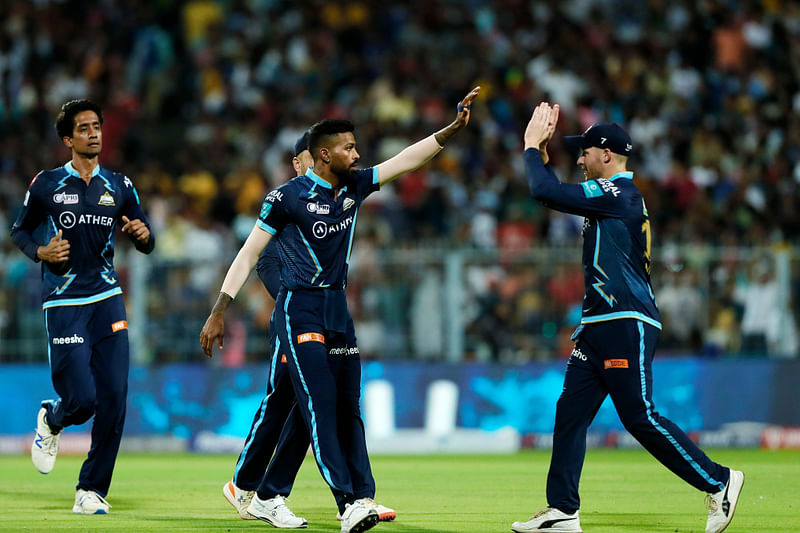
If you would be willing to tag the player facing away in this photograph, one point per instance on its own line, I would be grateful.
(313, 218)
(620, 324)
(277, 420)
(77, 208)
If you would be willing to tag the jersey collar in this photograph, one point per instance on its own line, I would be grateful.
(316, 179)
(624, 175)
(74, 173)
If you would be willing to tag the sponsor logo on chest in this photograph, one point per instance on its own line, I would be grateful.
(321, 229)
(64, 198)
(320, 209)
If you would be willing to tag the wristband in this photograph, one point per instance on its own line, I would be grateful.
(461, 108)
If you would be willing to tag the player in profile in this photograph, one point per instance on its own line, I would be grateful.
(313, 218)
(619, 328)
(78, 207)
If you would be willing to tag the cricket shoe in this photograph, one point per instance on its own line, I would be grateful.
(722, 504)
(240, 499)
(359, 516)
(550, 519)
(45, 444)
(385, 514)
(275, 512)
(89, 502)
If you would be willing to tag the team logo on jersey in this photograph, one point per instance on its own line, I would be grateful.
(348, 203)
(106, 200)
(67, 219)
(64, 198)
(615, 363)
(320, 209)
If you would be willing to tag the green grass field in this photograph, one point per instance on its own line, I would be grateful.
(622, 490)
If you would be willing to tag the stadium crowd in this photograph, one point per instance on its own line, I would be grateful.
(204, 99)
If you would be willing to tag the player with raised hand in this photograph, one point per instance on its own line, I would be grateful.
(313, 217)
(620, 325)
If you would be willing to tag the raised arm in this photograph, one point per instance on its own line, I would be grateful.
(419, 153)
(214, 328)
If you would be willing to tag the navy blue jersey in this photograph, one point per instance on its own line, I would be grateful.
(269, 268)
(315, 226)
(616, 240)
(88, 215)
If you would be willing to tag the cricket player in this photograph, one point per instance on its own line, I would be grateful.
(620, 324)
(313, 217)
(77, 208)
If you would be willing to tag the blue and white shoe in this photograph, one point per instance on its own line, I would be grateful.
(44, 448)
(89, 502)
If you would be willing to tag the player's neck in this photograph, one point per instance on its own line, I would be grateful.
(330, 177)
(612, 171)
(85, 166)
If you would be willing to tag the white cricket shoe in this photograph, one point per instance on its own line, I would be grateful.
(385, 514)
(359, 516)
(240, 499)
(45, 445)
(722, 504)
(275, 512)
(89, 502)
(550, 519)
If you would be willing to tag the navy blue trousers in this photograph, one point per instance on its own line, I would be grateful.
(89, 361)
(616, 358)
(276, 423)
(315, 330)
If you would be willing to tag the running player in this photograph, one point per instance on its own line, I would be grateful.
(78, 207)
(619, 327)
(314, 218)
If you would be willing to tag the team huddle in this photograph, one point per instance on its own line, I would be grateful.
(300, 246)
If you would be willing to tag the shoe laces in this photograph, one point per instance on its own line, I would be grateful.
(541, 512)
(282, 507)
(93, 496)
(711, 504)
(49, 443)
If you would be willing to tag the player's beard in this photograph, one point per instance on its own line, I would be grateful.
(346, 176)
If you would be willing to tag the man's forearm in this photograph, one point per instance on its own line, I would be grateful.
(411, 158)
(445, 134)
(223, 301)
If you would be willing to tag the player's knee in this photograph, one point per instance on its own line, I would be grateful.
(84, 407)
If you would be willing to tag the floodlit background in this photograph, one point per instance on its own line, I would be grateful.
(460, 285)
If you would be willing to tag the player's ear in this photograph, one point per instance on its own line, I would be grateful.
(325, 155)
(67, 141)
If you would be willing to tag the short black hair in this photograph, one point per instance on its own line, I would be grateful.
(323, 129)
(65, 121)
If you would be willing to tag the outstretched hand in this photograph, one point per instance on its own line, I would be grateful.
(541, 126)
(464, 107)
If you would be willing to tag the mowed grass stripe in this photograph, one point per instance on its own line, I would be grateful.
(621, 490)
